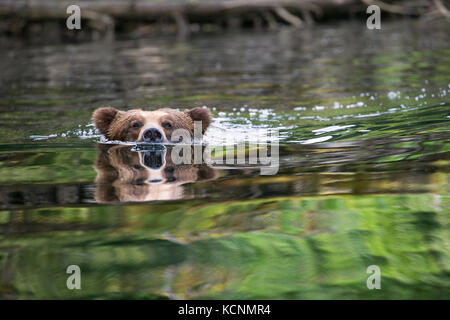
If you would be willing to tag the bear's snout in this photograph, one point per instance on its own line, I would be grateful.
(153, 135)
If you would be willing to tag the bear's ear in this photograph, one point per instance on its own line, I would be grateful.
(201, 114)
(103, 117)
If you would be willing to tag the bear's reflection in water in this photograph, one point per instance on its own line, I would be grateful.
(125, 175)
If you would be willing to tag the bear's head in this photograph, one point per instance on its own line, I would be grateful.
(148, 126)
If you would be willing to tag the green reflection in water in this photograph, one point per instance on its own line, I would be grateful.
(309, 248)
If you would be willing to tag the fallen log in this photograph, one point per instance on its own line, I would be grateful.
(129, 9)
(231, 13)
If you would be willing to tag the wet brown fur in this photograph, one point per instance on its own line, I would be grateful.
(118, 125)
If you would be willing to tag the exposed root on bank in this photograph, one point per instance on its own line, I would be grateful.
(288, 17)
(100, 22)
(105, 16)
(441, 8)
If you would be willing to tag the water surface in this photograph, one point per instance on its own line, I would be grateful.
(363, 180)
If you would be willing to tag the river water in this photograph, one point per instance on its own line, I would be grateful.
(363, 123)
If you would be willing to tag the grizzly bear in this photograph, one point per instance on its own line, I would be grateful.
(126, 175)
(148, 126)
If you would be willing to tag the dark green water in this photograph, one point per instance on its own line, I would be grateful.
(364, 168)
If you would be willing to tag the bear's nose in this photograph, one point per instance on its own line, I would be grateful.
(152, 135)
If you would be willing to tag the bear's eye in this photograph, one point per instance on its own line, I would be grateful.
(136, 125)
(167, 125)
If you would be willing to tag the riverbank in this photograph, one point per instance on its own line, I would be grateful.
(105, 18)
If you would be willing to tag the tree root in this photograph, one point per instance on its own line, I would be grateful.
(441, 8)
(288, 17)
